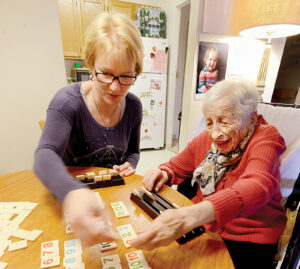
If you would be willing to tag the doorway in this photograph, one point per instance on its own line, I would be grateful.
(287, 84)
(182, 47)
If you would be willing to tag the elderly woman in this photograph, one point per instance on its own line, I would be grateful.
(235, 164)
(94, 123)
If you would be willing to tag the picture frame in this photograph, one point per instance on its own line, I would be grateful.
(208, 73)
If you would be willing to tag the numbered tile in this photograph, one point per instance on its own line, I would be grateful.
(50, 262)
(111, 260)
(114, 266)
(113, 172)
(77, 266)
(17, 245)
(74, 243)
(107, 246)
(136, 259)
(33, 235)
(127, 234)
(102, 172)
(4, 244)
(134, 255)
(120, 209)
(72, 261)
(49, 249)
(70, 252)
(20, 233)
(90, 175)
(3, 265)
(50, 244)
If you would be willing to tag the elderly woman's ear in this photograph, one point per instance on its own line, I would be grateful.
(254, 117)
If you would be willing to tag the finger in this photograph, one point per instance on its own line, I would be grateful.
(129, 171)
(116, 167)
(159, 185)
(149, 179)
(155, 178)
(142, 240)
(124, 166)
(101, 231)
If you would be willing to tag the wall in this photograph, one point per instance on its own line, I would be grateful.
(32, 70)
(182, 46)
(173, 27)
(243, 61)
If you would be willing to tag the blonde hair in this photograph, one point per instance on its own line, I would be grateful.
(208, 51)
(117, 32)
(242, 96)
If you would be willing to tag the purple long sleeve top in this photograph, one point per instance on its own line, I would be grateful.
(72, 137)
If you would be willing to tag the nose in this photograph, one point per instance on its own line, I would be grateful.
(115, 85)
(216, 132)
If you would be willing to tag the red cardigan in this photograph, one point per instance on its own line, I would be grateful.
(247, 200)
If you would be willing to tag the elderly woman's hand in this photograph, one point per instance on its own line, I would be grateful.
(125, 169)
(87, 217)
(172, 224)
(155, 179)
(167, 227)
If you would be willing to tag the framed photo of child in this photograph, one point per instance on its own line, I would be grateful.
(212, 62)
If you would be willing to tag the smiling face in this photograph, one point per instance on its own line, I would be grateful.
(114, 62)
(224, 127)
(211, 60)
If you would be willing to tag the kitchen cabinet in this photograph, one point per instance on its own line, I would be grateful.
(76, 15)
(89, 10)
(124, 7)
(70, 27)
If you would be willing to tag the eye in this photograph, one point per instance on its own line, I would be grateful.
(107, 75)
(225, 122)
(209, 124)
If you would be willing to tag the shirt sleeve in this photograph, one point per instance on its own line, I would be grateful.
(202, 81)
(48, 163)
(182, 166)
(132, 154)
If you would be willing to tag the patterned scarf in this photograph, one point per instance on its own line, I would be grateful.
(215, 164)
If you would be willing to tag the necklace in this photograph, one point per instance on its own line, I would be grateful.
(112, 114)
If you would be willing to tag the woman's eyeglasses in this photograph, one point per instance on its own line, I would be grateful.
(109, 78)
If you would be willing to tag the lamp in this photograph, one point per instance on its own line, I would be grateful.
(265, 19)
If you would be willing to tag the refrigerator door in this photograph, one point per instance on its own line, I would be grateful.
(156, 55)
(150, 88)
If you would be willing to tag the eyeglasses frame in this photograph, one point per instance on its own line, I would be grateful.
(114, 77)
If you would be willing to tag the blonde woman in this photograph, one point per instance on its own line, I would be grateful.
(94, 123)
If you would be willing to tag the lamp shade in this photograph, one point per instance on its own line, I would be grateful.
(265, 18)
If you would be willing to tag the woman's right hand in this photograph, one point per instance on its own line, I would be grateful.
(155, 179)
(88, 218)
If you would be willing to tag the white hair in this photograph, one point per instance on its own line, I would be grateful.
(242, 96)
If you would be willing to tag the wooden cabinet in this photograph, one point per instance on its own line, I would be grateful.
(70, 27)
(76, 15)
(124, 7)
(89, 10)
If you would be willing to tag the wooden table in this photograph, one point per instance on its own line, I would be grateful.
(207, 251)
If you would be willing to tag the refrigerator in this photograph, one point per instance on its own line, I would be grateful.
(151, 88)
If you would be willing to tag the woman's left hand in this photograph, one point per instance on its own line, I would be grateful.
(125, 169)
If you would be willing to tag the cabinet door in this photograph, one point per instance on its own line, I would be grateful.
(123, 7)
(89, 10)
(70, 26)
